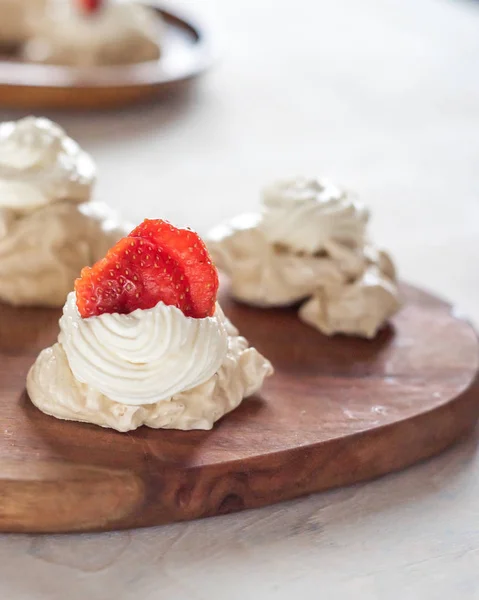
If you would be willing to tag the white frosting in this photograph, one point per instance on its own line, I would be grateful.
(54, 389)
(42, 252)
(145, 356)
(309, 242)
(305, 214)
(15, 16)
(119, 32)
(40, 164)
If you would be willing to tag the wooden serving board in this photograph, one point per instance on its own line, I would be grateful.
(186, 53)
(337, 411)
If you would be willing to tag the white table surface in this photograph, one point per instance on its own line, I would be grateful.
(383, 96)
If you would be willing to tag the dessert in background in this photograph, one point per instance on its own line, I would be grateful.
(92, 32)
(49, 229)
(309, 244)
(144, 342)
(15, 19)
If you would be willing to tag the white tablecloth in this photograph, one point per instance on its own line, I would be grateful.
(383, 96)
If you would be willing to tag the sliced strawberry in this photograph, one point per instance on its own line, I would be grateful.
(156, 262)
(134, 274)
(189, 251)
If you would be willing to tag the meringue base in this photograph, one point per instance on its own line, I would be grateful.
(360, 308)
(42, 253)
(54, 390)
(262, 274)
(345, 290)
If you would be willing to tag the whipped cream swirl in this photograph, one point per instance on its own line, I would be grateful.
(145, 356)
(40, 164)
(120, 32)
(305, 214)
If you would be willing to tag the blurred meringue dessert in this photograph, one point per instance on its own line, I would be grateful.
(143, 340)
(49, 229)
(88, 33)
(15, 19)
(309, 245)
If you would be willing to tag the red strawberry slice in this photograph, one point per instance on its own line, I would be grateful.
(134, 274)
(90, 6)
(156, 262)
(189, 250)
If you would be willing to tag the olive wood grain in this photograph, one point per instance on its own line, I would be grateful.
(337, 411)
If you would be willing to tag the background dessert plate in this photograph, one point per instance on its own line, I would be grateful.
(185, 54)
(337, 411)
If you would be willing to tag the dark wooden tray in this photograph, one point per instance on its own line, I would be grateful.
(337, 411)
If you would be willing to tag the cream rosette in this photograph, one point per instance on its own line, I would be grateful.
(305, 214)
(40, 164)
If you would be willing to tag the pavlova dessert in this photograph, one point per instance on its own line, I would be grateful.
(143, 340)
(94, 32)
(310, 245)
(49, 229)
(15, 19)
